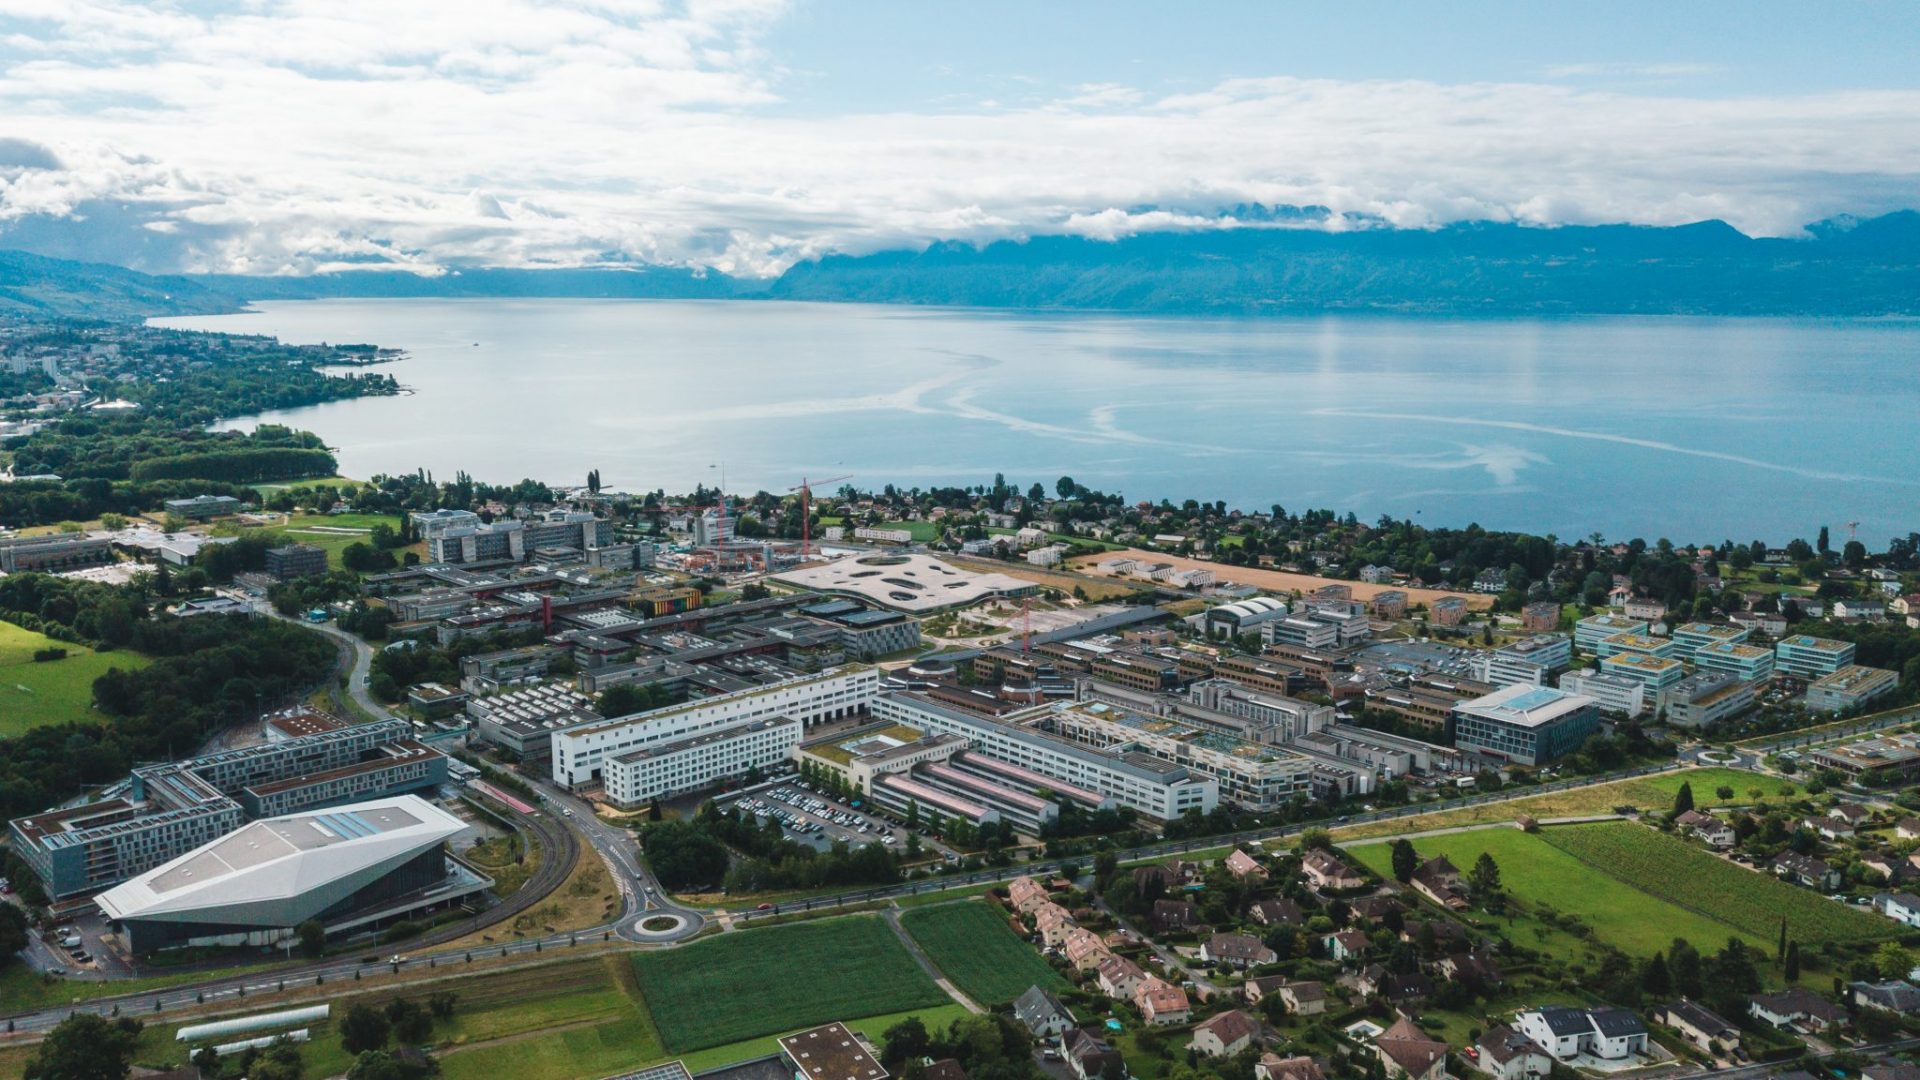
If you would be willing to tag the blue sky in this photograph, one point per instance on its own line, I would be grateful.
(274, 136)
(854, 54)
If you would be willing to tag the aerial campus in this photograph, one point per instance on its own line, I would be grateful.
(846, 540)
(416, 775)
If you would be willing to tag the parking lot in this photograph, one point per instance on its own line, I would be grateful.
(810, 818)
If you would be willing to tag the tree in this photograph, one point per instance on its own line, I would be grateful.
(1724, 792)
(1792, 965)
(281, 1061)
(1822, 545)
(1405, 860)
(13, 932)
(363, 1029)
(313, 937)
(86, 1046)
(1065, 487)
(1655, 980)
(1316, 838)
(1893, 960)
(1683, 960)
(903, 1042)
(410, 1022)
(1683, 799)
(1485, 876)
(380, 1065)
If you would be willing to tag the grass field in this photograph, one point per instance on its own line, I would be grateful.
(330, 532)
(1675, 871)
(33, 695)
(1536, 873)
(1646, 792)
(754, 982)
(971, 944)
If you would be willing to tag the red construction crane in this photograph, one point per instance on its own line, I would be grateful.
(806, 510)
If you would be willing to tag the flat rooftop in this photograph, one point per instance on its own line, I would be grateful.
(908, 582)
(1526, 706)
(831, 1052)
(305, 723)
(1640, 661)
(1815, 644)
(395, 753)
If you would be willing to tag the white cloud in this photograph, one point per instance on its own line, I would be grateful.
(294, 134)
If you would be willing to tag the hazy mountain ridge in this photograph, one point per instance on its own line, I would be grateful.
(1846, 268)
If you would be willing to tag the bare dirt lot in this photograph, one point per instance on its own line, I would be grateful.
(1275, 580)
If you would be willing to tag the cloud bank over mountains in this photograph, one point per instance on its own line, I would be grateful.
(284, 136)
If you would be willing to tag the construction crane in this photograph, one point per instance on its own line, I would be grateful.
(1852, 528)
(805, 489)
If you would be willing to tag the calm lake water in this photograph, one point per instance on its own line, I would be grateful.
(1694, 429)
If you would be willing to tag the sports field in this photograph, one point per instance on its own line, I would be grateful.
(971, 943)
(1539, 875)
(56, 691)
(1677, 872)
(753, 982)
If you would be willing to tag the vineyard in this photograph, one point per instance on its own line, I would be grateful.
(1753, 902)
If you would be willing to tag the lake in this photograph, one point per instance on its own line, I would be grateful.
(1693, 429)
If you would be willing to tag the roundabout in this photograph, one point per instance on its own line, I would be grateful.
(658, 927)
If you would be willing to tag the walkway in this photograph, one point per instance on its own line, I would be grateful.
(892, 915)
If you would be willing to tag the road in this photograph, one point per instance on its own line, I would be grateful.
(643, 898)
(356, 658)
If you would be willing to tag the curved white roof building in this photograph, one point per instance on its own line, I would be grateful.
(1242, 615)
(268, 876)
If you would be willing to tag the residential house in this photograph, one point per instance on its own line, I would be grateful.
(1025, 894)
(1280, 912)
(1053, 924)
(1347, 946)
(1901, 907)
(1119, 977)
(1438, 880)
(1323, 870)
(1800, 1009)
(1510, 1055)
(1275, 1067)
(1161, 1002)
(1255, 990)
(1405, 989)
(1806, 870)
(1242, 865)
(1304, 998)
(1892, 868)
(1907, 828)
(1470, 969)
(1224, 1035)
(946, 1069)
(1896, 1070)
(1371, 909)
(1893, 995)
(1566, 1033)
(1406, 1051)
(1447, 934)
(1084, 949)
(1707, 827)
(1089, 1056)
(1370, 980)
(1852, 813)
(1699, 1025)
(1042, 1014)
(1173, 916)
(1828, 828)
(1236, 951)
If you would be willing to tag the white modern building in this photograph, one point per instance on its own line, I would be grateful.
(1129, 776)
(346, 867)
(580, 754)
(1615, 693)
(641, 776)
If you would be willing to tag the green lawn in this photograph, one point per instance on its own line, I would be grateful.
(331, 532)
(873, 1027)
(1676, 871)
(971, 943)
(751, 983)
(1536, 873)
(35, 694)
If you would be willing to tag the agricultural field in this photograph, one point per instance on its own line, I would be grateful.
(1646, 792)
(1537, 874)
(971, 943)
(51, 692)
(1679, 873)
(743, 985)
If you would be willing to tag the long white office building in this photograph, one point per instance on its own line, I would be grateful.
(1135, 778)
(696, 762)
(580, 755)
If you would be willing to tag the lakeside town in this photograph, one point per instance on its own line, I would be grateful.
(1017, 781)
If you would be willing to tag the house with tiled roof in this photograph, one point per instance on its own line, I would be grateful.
(1053, 924)
(1025, 894)
(1324, 871)
(1084, 949)
(1799, 1009)
(1406, 1051)
(1089, 1056)
(1708, 828)
(1236, 950)
(1507, 1054)
(1438, 880)
(1242, 865)
(1275, 1067)
(1119, 977)
(1347, 946)
(1161, 1002)
(1256, 989)
(1699, 1025)
(1224, 1034)
(1173, 916)
(1304, 998)
(1276, 912)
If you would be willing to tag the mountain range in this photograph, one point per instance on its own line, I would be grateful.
(1843, 267)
